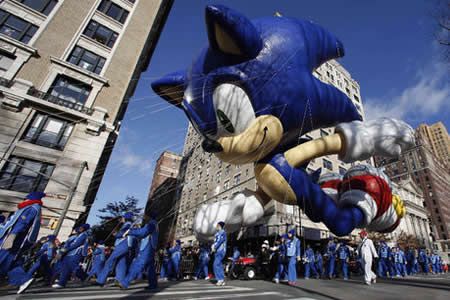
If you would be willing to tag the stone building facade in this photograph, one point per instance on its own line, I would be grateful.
(67, 70)
(416, 222)
(431, 176)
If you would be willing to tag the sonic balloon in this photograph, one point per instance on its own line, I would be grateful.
(247, 93)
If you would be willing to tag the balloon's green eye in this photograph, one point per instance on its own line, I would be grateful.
(226, 123)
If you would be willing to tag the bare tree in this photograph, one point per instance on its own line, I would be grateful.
(441, 15)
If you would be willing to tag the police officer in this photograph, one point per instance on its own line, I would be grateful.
(166, 265)
(149, 235)
(293, 254)
(72, 254)
(319, 263)
(280, 249)
(175, 260)
(219, 248)
(309, 260)
(344, 255)
(98, 259)
(384, 251)
(234, 259)
(203, 261)
(120, 254)
(20, 232)
(331, 253)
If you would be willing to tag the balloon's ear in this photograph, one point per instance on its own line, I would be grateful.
(171, 87)
(231, 32)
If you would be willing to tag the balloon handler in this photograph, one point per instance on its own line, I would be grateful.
(251, 95)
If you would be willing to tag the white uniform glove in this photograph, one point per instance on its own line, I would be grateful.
(8, 242)
(384, 137)
(244, 209)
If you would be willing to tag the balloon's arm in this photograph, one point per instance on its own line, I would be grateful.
(327, 145)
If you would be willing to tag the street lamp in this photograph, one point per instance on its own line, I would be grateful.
(73, 189)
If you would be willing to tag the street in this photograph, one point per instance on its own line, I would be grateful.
(417, 287)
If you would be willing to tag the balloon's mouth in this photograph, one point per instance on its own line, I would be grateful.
(258, 140)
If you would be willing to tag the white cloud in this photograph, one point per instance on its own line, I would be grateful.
(428, 96)
(129, 161)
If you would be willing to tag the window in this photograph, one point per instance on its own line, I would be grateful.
(70, 90)
(16, 28)
(356, 98)
(48, 131)
(237, 179)
(24, 175)
(327, 164)
(87, 60)
(218, 175)
(42, 6)
(113, 10)
(101, 34)
(323, 133)
(6, 62)
(226, 185)
(342, 170)
(227, 170)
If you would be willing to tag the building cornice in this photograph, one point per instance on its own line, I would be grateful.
(75, 68)
(10, 41)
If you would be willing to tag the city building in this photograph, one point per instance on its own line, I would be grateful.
(67, 70)
(163, 203)
(431, 176)
(167, 166)
(164, 194)
(416, 222)
(437, 137)
(207, 179)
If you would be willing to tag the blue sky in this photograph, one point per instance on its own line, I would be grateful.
(390, 51)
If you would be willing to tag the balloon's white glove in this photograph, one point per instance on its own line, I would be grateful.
(384, 137)
(244, 209)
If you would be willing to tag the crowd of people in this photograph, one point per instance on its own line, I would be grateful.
(135, 255)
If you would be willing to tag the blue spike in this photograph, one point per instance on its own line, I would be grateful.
(171, 87)
(242, 32)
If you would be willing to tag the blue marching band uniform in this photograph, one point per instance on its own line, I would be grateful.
(203, 261)
(310, 263)
(136, 247)
(344, 255)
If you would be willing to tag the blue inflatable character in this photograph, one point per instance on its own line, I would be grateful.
(251, 95)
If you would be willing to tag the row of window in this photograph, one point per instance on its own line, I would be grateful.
(23, 31)
(16, 27)
(25, 175)
(42, 6)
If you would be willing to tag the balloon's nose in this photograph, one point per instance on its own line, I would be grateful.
(211, 146)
